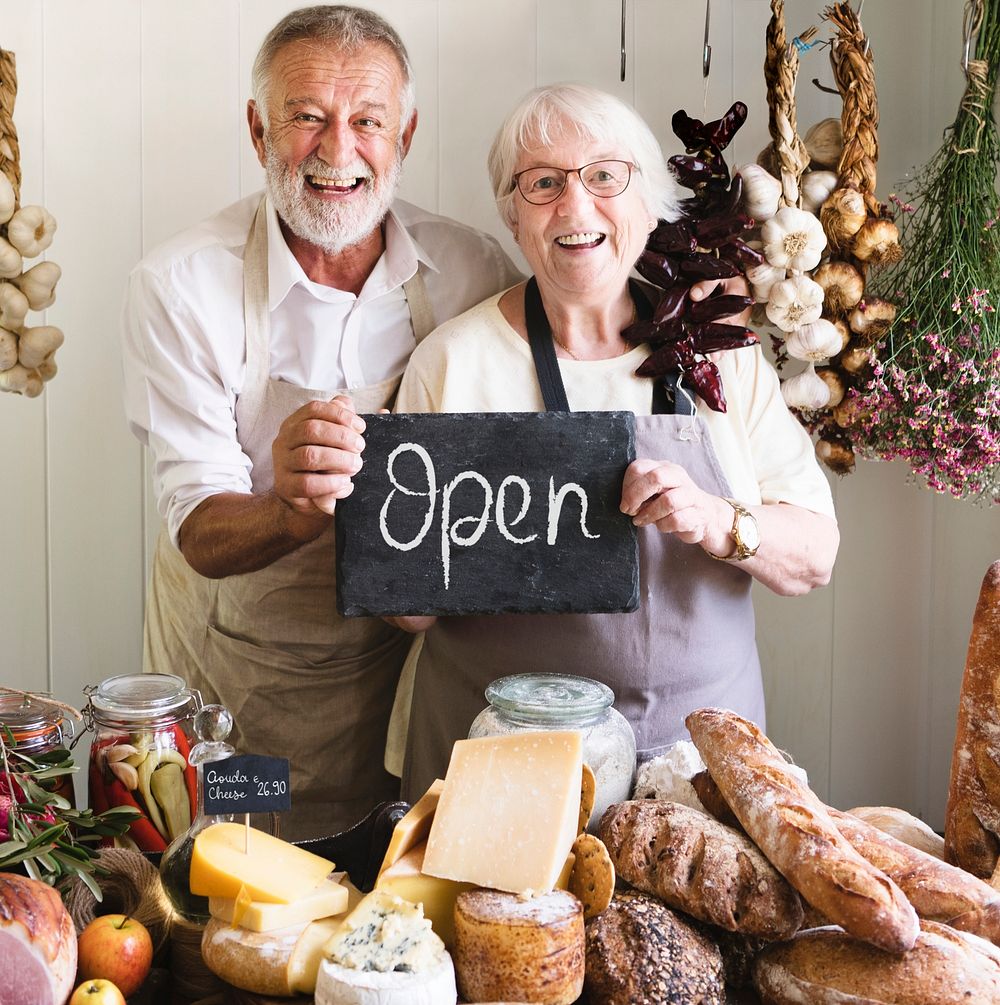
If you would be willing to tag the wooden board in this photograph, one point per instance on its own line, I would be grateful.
(488, 513)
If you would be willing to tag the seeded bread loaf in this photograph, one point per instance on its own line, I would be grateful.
(825, 966)
(639, 950)
(972, 817)
(790, 824)
(698, 865)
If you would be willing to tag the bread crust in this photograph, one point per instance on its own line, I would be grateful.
(825, 966)
(698, 865)
(791, 825)
(972, 816)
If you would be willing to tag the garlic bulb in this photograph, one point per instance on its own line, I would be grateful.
(36, 344)
(805, 391)
(856, 359)
(877, 242)
(843, 215)
(825, 143)
(814, 188)
(8, 349)
(838, 457)
(13, 307)
(8, 200)
(21, 380)
(813, 342)
(31, 230)
(844, 332)
(47, 369)
(847, 413)
(793, 239)
(38, 284)
(834, 382)
(762, 277)
(10, 260)
(843, 286)
(794, 302)
(871, 319)
(761, 192)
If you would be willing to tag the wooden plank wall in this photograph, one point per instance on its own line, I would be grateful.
(131, 123)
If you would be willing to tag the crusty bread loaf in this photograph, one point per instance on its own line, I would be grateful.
(790, 824)
(825, 966)
(902, 826)
(938, 891)
(638, 950)
(698, 865)
(972, 817)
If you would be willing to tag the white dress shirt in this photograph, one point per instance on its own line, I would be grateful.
(184, 350)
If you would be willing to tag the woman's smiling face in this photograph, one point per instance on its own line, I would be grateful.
(580, 245)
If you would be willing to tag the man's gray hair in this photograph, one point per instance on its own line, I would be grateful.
(349, 29)
(554, 112)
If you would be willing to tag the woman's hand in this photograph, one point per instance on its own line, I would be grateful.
(735, 286)
(663, 494)
(412, 623)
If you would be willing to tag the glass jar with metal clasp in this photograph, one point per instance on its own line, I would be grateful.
(140, 755)
(539, 701)
(39, 727)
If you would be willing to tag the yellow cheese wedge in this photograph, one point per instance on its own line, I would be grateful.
(308, 953)
(274, 870)
(329, 898)
(507, 817)
(414, 827)
(405, 879)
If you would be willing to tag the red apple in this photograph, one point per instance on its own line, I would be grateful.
(97, 993)
(118, 949)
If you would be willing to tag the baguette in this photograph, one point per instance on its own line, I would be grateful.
(825, 966)
(902, 826)
(972, 817)
(697, 865)
(790, 824)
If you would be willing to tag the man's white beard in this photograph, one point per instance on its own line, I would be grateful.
(332, 226)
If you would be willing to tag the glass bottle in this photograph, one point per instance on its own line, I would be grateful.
(139, 755)
(39, 728)
(212, 724)
(538, 701)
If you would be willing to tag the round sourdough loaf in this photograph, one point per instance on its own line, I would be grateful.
(37, 943)
(513, 949)
(639, 950)
(826, 966)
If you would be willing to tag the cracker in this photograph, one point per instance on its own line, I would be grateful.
(588, 791)
(592, 881)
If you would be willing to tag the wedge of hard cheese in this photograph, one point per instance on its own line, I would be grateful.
(329, 898)
(414, 827)
(508, 815)
(273, 871)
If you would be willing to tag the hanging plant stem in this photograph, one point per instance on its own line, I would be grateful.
(934, 396)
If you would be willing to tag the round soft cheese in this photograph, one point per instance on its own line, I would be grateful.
(508, 948)
(337, 985)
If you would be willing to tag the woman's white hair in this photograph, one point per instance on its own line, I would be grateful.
(554, 112)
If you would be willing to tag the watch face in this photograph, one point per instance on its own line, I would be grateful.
(749, 533)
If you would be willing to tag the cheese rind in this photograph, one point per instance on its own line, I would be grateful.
(507, 817)
(336, 985)
(414, 827)
(328, 899)
(274, 871)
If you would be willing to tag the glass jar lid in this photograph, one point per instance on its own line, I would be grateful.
(25, 717)
(140, 697)
(552, 698)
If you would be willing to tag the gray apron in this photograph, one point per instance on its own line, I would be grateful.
(301, 681)
(691, 642)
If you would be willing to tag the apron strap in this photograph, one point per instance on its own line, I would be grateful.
(257, 325)
(419, 304)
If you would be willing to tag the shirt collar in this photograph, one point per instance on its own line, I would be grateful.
(398, 263)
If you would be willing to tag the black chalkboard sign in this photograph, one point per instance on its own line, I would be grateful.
(488, 513)
(247, 783)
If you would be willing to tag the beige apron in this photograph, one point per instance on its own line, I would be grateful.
(301, 681)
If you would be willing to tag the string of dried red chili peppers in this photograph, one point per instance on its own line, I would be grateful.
(703, 244)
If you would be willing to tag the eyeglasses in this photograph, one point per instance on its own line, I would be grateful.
(605, 179)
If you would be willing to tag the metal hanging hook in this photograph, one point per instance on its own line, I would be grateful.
(706, 49)
(624, 8)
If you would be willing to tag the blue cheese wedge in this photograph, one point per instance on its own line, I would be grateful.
(386, 953)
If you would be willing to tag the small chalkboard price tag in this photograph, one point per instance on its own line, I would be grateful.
(247, 783)
(504, 512)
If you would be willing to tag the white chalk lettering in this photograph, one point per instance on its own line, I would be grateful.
(429, 494)
(449, 531)
(555, 507)
(502, 525)
(214, 792)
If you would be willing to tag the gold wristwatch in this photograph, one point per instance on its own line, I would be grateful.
(745, 533)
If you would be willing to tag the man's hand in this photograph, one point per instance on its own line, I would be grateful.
(736, 286)
(316, 453)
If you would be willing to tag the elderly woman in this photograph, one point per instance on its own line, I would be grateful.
(721, 499)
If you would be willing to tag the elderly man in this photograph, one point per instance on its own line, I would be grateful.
(251, 343)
